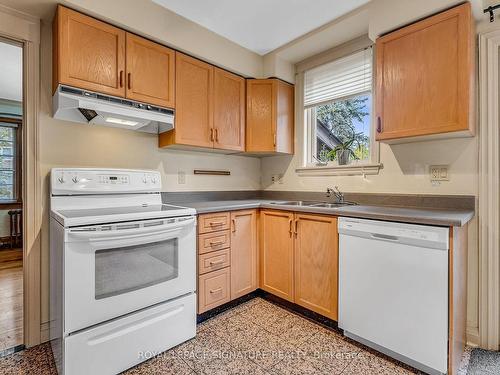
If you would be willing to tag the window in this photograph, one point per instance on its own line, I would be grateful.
(338, 106)
(9, 168)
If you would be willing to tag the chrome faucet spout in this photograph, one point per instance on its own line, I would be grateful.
(339, 196)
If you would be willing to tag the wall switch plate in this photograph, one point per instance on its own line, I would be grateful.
(439, 173)
(181, 177)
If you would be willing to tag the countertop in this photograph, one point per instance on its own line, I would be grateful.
(440, 217)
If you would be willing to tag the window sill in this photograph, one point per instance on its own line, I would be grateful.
(340, 170)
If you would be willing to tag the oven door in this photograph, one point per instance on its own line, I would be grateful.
(112, 270)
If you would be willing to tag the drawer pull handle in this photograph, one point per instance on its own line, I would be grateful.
(216, 262)
(216, 223)
(217, 243)
(218, 290)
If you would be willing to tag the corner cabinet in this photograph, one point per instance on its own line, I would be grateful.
(270, 116)
(210, 111)
(424, 81)
(95, 56)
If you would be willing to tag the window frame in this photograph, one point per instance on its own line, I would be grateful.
(17, 186)
(309, 166)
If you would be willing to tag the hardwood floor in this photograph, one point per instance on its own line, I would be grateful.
(11, 298)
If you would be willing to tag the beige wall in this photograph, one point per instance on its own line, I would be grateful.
(65, 144)
(405, 166)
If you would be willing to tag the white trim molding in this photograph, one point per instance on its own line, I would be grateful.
(25, 30)
(489, 191)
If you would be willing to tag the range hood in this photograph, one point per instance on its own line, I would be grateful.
(72, 104)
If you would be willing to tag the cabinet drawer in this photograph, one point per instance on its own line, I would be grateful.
(213, 222)
(213, 261)
(213, 241)
(214, 289)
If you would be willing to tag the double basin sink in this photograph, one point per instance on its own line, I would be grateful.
(314, 204)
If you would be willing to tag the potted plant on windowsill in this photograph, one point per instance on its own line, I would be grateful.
(343, 152)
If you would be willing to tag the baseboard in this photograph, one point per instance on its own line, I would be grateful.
(472, 335)
(44, 332)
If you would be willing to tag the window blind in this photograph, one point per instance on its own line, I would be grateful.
(342, 78)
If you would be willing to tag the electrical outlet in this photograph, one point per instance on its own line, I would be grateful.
(439, 173)
(277, 178)
(181, 177)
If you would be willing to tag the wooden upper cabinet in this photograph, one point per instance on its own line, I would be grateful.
(194, 104)
(150, 72)
(87, 53)
(316, 264)
(229, 111)
(276, 253)
(270, 116)
(244, 268)
(425, 77)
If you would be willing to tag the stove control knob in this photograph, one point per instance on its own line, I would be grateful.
(145, 180)
(75, 179)
(61, 179)
(153, 180)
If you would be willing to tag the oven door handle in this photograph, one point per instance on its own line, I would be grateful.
(90, 234)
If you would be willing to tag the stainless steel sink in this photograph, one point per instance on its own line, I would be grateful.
(314, 204)
(298, 203)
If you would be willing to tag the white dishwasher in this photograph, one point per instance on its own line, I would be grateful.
(393, 290)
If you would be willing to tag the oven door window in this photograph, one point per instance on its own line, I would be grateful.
(124, 269)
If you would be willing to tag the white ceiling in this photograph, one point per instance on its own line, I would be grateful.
(261, 25)
(11, 73)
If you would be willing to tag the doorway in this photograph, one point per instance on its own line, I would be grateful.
(11, 204)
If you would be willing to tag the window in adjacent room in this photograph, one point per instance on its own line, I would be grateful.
(338, 106)
(9, 164)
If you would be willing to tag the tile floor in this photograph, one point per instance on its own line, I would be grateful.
(256, 337)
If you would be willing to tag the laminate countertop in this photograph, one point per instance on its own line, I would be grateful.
(428, 216)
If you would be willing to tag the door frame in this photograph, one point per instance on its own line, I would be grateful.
(489, 190)
(25, 29)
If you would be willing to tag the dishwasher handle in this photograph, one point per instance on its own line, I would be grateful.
(387, 237)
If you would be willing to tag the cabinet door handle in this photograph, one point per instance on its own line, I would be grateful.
(274, 139)
(379, 125)
(121, 78)
(216, 223)
(218, 290)
(296, 227)
(218, 243)
(290, 227)
(129, 81)
(211, 134)
(216, 135)
(234, 225)
(216, 262)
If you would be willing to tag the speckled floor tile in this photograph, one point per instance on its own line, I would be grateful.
(34, 361)
(368, 363)
(257, 337)
(301, 363)
(162, 364)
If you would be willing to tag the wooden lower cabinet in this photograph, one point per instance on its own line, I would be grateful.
(276, 253)
(316, 264)
(214, 289)
(227, 257)
(243, 252)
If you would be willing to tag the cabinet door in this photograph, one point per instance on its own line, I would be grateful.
(424, 75)
(229, 111)
(88, 54)
(261, 115)
(285, 118)
(194, 108)
(150, 72)
(243, 252)
(276, 253)
(316, 264)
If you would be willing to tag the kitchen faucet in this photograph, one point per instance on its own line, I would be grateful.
(339, 196)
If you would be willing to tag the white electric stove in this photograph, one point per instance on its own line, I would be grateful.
(123, 270)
